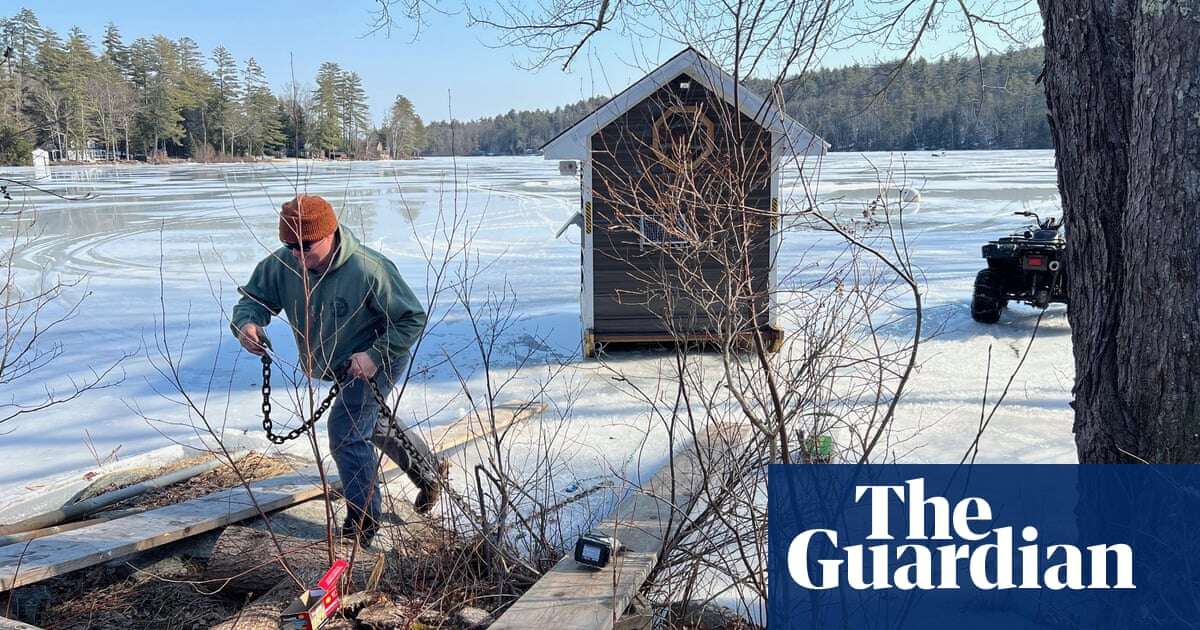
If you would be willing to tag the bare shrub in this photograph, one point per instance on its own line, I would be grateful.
(33, 305)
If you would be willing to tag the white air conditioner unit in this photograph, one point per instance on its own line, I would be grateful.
(568, 167)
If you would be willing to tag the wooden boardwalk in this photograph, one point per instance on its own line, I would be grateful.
(572, 597)
(42, 558)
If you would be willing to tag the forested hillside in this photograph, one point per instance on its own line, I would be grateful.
(941, 105)
(930, 105)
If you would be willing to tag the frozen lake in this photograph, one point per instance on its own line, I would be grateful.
(159, 252)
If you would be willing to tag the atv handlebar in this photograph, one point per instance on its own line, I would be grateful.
(1049, 224)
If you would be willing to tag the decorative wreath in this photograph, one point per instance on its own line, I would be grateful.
(701, 129)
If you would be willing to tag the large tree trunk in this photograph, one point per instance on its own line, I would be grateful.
(246, 560)
(1161, 366)
(264, 613)
(1123, 88)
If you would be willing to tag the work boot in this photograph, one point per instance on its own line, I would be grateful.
(430, 490)
(364, 536)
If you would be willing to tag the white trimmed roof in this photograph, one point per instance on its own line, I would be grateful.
(572, 144)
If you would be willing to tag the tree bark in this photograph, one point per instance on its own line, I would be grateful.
(245, 560)
(264, 612)
(1160, 350)
(1123, 90)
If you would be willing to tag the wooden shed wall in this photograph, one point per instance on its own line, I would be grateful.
(622, 161)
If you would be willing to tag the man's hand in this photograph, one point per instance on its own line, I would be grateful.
(251, 338)
(361, 366)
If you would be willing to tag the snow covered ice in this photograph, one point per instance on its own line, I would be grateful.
(161, 249)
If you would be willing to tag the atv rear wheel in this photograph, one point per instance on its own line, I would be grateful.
(988, 299)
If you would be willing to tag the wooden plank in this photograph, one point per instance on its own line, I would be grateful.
(466, 429)
(42, 558)
(571, 597)
(13, 624)
(772, 336)
(80, 509)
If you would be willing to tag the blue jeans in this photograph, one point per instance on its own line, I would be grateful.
(355, 428)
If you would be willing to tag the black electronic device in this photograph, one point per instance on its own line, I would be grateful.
(596, 551)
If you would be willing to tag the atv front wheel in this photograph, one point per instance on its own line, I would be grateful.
(988, 299)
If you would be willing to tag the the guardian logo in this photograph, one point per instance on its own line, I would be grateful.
(816, 561)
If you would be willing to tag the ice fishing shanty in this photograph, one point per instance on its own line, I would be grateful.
(655, 164)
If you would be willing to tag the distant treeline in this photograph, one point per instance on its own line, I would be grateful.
(514, 133)
(155, 97)
(948, 104)
(939, 105)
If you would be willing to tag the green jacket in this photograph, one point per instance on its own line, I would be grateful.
(359, 304)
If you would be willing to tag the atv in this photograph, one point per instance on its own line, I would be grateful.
(1027, 267)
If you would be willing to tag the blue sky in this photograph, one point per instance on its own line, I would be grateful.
(448, 65)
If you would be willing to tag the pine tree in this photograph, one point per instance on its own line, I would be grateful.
(194, 90)
(157, 64)
(328, 117)
(110, 91)
(115, 52)
(404, 130)
(263, 128)
(352, 108)
(24, 34)
(293, 108)
(47, 105)
(79, 67)
(226, 96)
(16, 137)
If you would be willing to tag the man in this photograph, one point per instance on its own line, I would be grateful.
(349, 310)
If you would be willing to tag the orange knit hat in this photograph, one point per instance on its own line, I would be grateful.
(306, 218)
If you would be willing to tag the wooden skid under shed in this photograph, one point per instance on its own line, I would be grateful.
(772, 337)
(42, 558)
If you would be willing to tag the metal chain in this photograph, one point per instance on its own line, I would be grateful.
(266, 407)
(414, 455)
